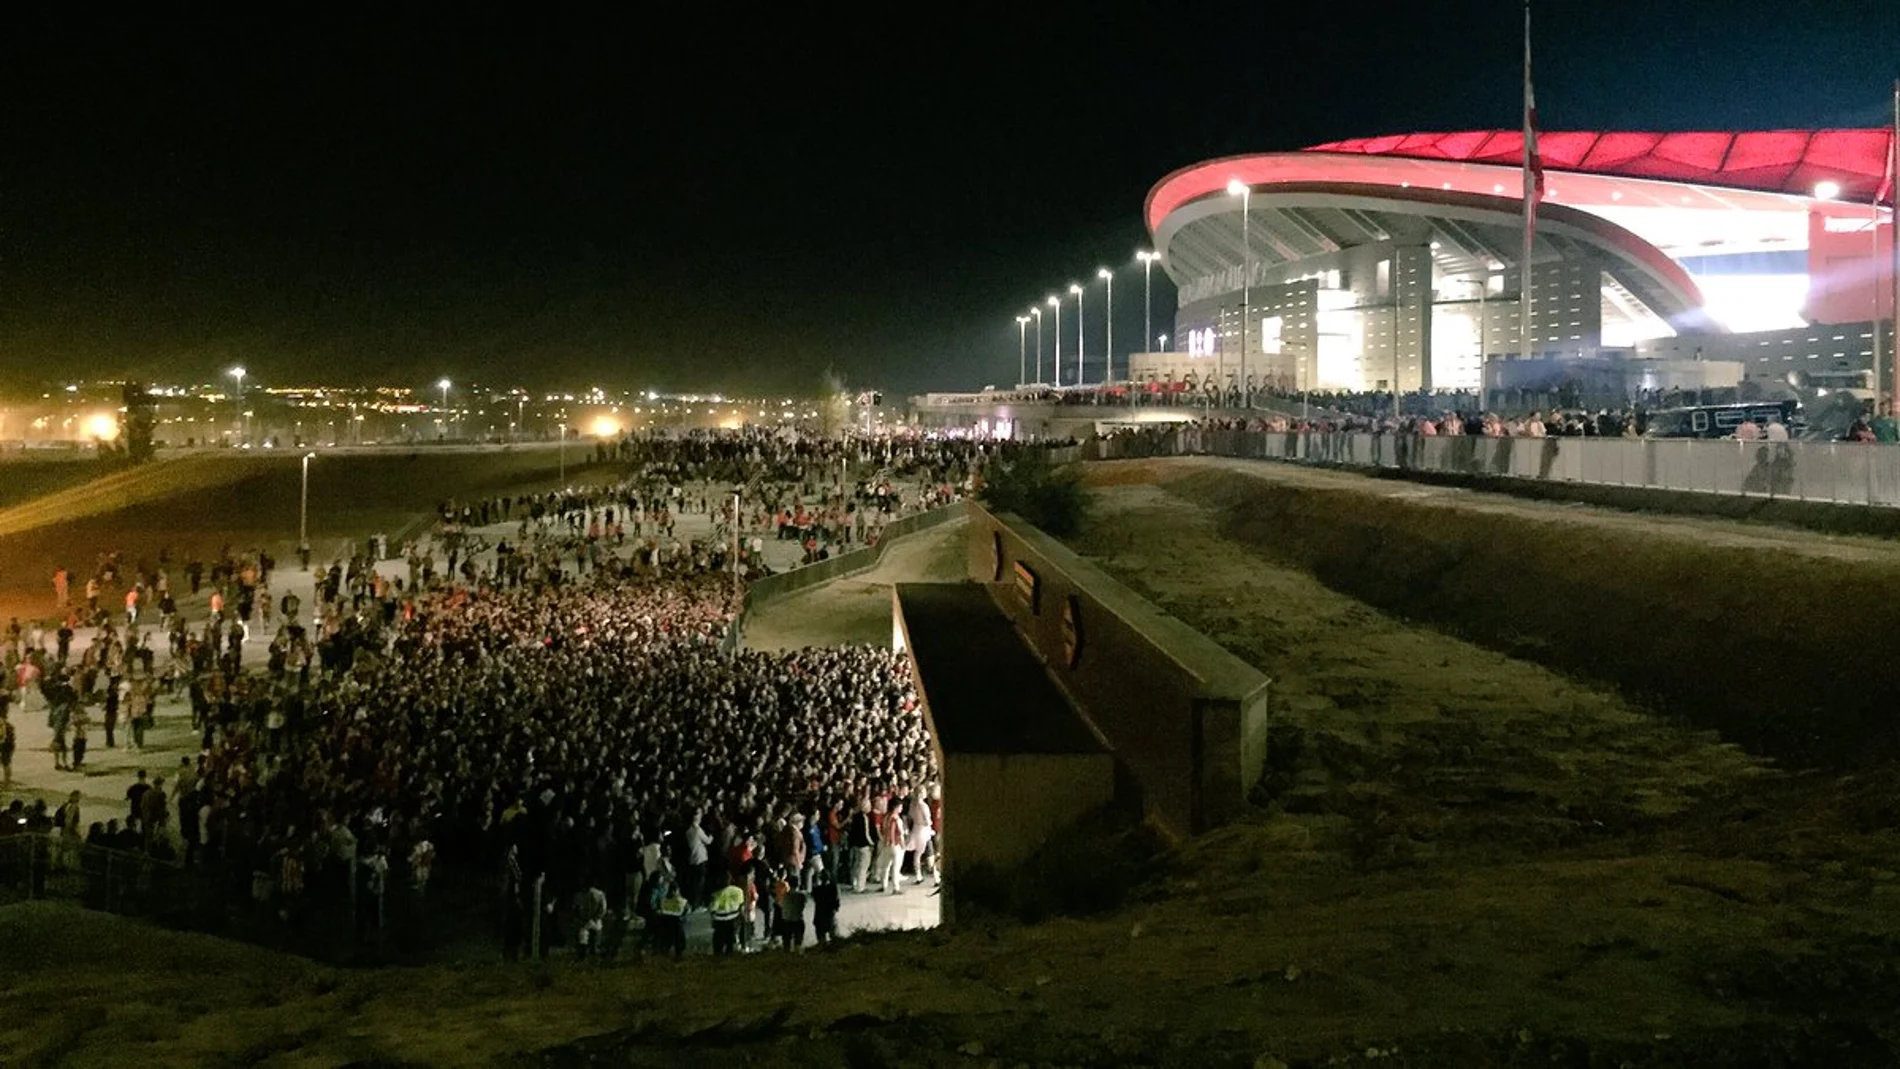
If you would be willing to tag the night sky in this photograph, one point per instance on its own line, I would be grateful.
(726, 200)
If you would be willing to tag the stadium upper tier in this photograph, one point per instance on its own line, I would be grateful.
(1690, 232)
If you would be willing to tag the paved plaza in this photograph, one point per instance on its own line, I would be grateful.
(109, 770)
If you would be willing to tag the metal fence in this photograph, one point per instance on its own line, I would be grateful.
(42, 866)
(1847, 473)
(327, 919)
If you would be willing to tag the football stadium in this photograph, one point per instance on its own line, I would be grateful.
(1375, 262)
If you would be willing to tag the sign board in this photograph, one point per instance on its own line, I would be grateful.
(1072, 630)
(1029, 587)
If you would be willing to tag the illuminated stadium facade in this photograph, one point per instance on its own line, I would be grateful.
(1398, 258)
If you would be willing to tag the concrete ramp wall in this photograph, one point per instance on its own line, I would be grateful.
(1185, 718)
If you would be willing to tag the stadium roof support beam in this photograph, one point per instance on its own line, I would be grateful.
(1453, 252)
(1274, 241)
(1367, 222)
(1469, 238)
(1187, 258)
(1223, 240)
(1306, 226)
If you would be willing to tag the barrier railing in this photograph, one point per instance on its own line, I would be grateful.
(40, 866)
(772, 587)
(1847, 473)
(330, 915)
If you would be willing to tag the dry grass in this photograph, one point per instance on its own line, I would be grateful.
(198, 504)
(1463, 859)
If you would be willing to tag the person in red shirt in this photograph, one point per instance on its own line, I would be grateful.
(891, 834)
(834, 834)
(739, 858)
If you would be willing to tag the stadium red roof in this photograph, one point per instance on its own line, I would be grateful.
(1771, 161)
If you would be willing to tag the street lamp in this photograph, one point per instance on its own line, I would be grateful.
(1108, 368)
(1147, 259)
(1022, 348)
(735, 539)
(238, 374)
(1037, 312)
(1237, 188)
(303, 513)
(1056, 304)
(444, 386)
(563, 427)
(1081, 337)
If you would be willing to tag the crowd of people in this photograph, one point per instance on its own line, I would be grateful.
(547, 689)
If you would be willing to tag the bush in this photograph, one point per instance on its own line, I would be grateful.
(1048, 496)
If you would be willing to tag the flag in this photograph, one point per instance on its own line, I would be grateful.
(1885, 192)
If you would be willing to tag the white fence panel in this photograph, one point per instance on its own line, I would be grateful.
(1843, 472)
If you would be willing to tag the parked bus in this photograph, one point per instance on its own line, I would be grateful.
(1720, 421)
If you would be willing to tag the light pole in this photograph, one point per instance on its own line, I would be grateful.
(1244, 191)
(303, 513)
(1081, 337)
(444, 385)
(238, 374)
(1037, 312)
(1108, 367)
(735, 541)
(1022, 349)
(563, 455)
(1147, 259)
(1057, 305)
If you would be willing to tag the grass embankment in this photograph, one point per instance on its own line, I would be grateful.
(197, 505)
(23, 478)
(1464, 837)
(1782, 651)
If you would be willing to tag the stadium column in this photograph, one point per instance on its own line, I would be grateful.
(1412, 300)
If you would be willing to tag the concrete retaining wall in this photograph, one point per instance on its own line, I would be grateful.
(772, 587)
(1002, 808)
(1187, 719)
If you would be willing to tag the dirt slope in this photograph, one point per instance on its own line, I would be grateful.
(1766, 634)
(1462, 859)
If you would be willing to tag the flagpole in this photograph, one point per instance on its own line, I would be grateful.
(1530, 204)
(1873, 225)
(1893, 216)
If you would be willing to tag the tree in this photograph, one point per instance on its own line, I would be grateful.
(1039, 491)
(137, 422)
(834, 406)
